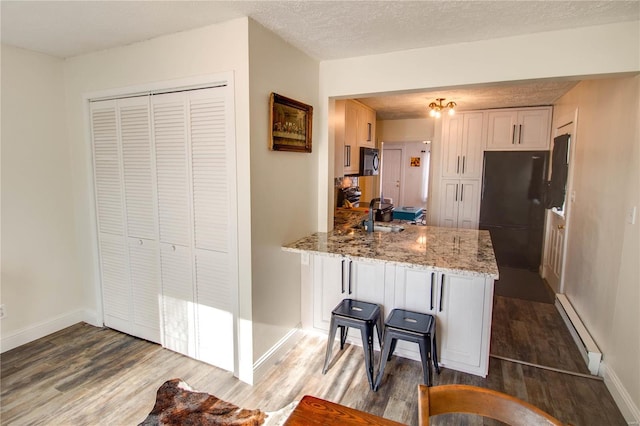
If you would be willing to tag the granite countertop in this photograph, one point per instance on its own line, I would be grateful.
(459, 251)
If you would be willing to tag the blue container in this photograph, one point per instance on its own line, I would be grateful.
(407, 213)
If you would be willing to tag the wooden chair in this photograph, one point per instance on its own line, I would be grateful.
(480, 401)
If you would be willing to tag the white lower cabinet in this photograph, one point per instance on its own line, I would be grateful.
(462, 304)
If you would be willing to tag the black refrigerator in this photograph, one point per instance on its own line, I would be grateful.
(511, 207)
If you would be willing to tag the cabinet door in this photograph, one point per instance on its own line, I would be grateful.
(414, 290)
(452, 130)
(116, 288)
(367, 281)
(471, 152)
(449, 196)
(460, 319)
(502, 130)
(469, 204)
(328, 288)
(534, 130)
(366, 127)
(351, 150)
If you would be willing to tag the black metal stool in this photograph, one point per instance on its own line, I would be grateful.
(413, 327)
(357, 314)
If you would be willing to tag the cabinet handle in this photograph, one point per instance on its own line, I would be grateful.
(463, 161)
(458, 166)
(456, 192)
(461, 191)
(433, 277)
(513, 135)
(520, 134)
(347, 155)
(441, 291)
(369, 132)
(342, 282)
(350, 274)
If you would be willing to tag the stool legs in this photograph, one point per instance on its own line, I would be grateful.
(384, 357)
(367, 342)
(425, 349)
(332, 336)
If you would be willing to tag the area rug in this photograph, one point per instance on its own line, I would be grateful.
(178, 404)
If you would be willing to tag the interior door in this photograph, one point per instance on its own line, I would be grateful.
(558, 220)
(391, 174)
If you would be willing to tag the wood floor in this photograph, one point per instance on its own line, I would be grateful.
(87, 376)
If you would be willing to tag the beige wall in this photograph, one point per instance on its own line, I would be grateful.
(40, 280)
(602, 268)
(284, 206)
(408, 130)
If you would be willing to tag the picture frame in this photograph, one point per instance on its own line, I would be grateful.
(290, 124)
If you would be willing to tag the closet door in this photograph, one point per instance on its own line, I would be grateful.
(141, 223)
(107, 166)
(213, 177)
(170, 133)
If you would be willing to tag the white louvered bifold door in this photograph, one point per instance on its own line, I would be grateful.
(213, 182)
(114, 265)
(140, 200)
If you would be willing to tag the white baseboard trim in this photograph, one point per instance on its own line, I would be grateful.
(46, 327)
(273, 355)
(630, 411)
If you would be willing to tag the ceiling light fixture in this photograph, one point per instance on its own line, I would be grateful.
(437, 107)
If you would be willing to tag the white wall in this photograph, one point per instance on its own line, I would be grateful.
(209, 50)
(40, 282)
(408, 135)
(284, 205)
(577, 52)
(602, 267)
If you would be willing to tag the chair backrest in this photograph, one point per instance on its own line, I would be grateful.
(480, 401)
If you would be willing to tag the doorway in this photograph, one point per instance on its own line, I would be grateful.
(392, 174)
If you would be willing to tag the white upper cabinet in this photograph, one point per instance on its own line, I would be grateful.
(355, 127)
(519, 129)
(462, 145)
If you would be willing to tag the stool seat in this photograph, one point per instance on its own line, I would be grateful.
(413, 327)
(356, 314)
(410, 321)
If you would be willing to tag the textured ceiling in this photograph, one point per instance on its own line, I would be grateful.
(323, 29)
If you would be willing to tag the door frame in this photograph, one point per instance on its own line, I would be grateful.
(570, 119)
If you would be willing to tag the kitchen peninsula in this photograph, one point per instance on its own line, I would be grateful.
(446, 272)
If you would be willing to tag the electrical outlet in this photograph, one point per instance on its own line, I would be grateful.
(2, 312)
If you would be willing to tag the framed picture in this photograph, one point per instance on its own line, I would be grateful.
(290, 124)
(415, 162)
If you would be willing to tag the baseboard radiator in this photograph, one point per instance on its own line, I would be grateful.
(588, 348)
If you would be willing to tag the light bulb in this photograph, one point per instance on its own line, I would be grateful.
(432, 113)
(438, 114)
(452, 111)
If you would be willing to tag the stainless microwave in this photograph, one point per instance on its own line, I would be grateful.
(369, 162)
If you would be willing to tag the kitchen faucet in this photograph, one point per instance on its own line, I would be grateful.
(369, 222)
